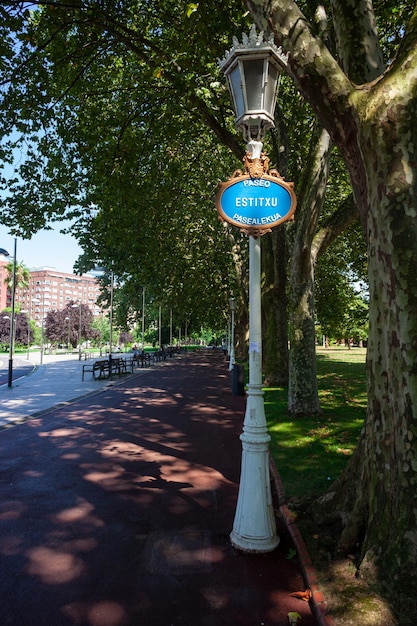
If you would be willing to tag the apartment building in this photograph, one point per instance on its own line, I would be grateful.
(50, 290)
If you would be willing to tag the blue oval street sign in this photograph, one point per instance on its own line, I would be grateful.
(256, 204)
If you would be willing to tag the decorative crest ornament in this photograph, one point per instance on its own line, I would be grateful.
(254, 40)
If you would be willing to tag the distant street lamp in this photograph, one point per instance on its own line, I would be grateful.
(111, 314)
(42, 328)
(232, 306)
(252, 70)
(143, 320)
(105, 270)
(160, 328)
(30, 311)
(78, 306)
(12, 320)
(68, 319)
(79, 333)
(101, 332)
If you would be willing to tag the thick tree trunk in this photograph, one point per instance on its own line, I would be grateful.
(391, 428)
(380, 513)
(374, 127)
(302, 392)
(376, 496)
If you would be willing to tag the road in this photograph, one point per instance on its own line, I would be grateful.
(21, 367)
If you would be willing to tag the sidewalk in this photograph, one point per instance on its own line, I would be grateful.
(116, 508)
(57, 381)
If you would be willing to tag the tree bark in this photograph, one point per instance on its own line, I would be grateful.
(374, 127)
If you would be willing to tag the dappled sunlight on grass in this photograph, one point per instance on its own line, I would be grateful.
(310, 452)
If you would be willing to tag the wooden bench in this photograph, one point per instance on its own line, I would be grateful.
(129, 364)
(118, 366)
(99, 369)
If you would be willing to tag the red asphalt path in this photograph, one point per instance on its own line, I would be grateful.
(116, 510)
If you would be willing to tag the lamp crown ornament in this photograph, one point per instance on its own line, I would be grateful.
(255, 40)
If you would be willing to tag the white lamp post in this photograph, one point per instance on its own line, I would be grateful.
(68, 319)
(228, 336)
(42, 328)
(12, 317)
(160, 328)
(143, 321)
(99, 268)
(232, 306)
(111, 315)
(31, 302)
(252, 70)
(79, 331)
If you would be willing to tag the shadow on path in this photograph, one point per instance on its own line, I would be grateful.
(117, 509)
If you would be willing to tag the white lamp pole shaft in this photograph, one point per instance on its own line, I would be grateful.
(254, 528)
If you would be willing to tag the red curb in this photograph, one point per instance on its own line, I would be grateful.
(317, 602)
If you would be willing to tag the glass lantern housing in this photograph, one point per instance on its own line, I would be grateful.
(252, 70)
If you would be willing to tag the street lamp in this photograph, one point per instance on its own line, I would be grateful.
(79, 333)
(30, 311)
(143, 321)
(160, 328)
(12, 320)
(111, 314)
(106, 270)
(78, 306)
(252, 69)
(68, 319)
(42, 328)
(232, 306)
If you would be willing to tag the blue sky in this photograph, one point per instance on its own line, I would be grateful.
(46, 248)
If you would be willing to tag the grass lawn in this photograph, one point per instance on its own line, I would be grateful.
(310, 452)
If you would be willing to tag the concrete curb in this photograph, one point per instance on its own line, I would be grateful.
(318, 602)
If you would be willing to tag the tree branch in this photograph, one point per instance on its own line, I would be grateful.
(339, 221)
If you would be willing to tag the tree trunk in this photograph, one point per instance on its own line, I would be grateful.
(376, 497)
(391, 427)
(374, 127)
(302, 392)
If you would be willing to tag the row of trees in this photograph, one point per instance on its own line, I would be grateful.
(62, 328)
(122, 112)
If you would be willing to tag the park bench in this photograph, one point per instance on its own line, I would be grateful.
(118, 366)
(99, 369)
(129, 364)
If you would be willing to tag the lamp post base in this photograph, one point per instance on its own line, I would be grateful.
(254, 528)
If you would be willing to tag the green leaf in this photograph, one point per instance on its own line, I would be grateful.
(191, 8)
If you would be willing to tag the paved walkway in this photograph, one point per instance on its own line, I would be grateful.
(116, 508)
(56, 382)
